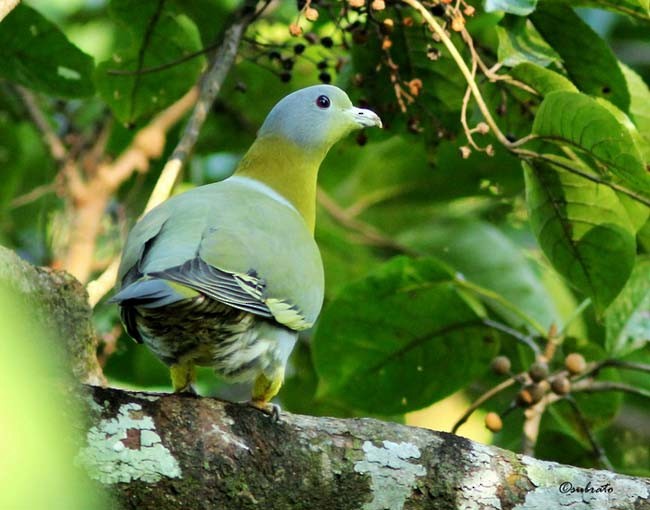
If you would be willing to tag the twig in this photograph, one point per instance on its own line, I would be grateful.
(595, 445)
(100, 286)
(6, 6)
(166, 65)
(482, 399)
(490, 73)
(463, 111)
(57, 148)
(530, 429)
(212, 83)
(552, 341)
(32, 195)
(376, 197)
(368, 233)
(591, 386)
(433, 24)
(525, 339)
(91, 196)
(594, 368)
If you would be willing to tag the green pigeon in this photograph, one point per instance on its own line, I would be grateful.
(227, 274)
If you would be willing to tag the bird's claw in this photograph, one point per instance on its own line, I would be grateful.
(269, 409)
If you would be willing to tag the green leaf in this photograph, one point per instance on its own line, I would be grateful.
(589, 61)
(581, 121)
(152, 36)
(637, 8)
(210, 16)
(639, 107)
(400, 339)
(485, 256)
(344, 258)
(36, 54)
(520, 42)
(627, 320)
(541, 79)
(582, 228)
(518, 7)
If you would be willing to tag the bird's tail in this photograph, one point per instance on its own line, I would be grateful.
(148, 293)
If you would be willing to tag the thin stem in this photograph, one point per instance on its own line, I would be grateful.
(591, 386)
(627, 365)
(527, 154)
(482, 399)
(574, 315)
(33, 195)
(166, 65)
(57, 148)
(525, 339)
(211, 86)
(369, 233)
(595, 445)
(433, 24)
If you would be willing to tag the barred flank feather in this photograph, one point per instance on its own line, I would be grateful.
(209, 333)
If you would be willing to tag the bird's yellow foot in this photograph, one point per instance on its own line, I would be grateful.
(264, 389)
(272, 410)
(183, 377)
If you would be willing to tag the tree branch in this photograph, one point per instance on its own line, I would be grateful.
(91, 196)
(56, 146)
(212, 82)
(160, 452)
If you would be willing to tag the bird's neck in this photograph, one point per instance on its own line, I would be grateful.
(287, 168)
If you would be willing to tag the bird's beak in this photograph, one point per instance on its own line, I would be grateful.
(365, 118)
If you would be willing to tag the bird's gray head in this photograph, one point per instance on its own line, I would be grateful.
(316, 117)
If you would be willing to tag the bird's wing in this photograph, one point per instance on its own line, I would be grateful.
(243, 291)
(259, 258)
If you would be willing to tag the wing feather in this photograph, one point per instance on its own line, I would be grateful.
(241, 291)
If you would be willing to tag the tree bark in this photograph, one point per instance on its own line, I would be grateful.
(160, 451)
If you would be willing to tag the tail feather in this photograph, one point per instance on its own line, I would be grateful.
(147, 293)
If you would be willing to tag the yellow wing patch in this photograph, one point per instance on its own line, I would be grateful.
(287, 314)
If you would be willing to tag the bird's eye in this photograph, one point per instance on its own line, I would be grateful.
(323, 102)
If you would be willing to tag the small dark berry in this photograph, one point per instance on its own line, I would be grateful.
(327, 42)
(560, 385)
(438, 10)
(311, 37)
(285, 76)
(531, 394)
(362, 138)
(322, 64)
(325, 77)
(500, 365)
(538, 371)
(352, 26)
(287, 64)
(299, 48)
(274, 55)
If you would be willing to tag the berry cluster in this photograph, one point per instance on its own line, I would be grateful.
(536, 383)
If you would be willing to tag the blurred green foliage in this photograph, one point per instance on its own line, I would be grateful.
(36, 421)
(481, 240)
